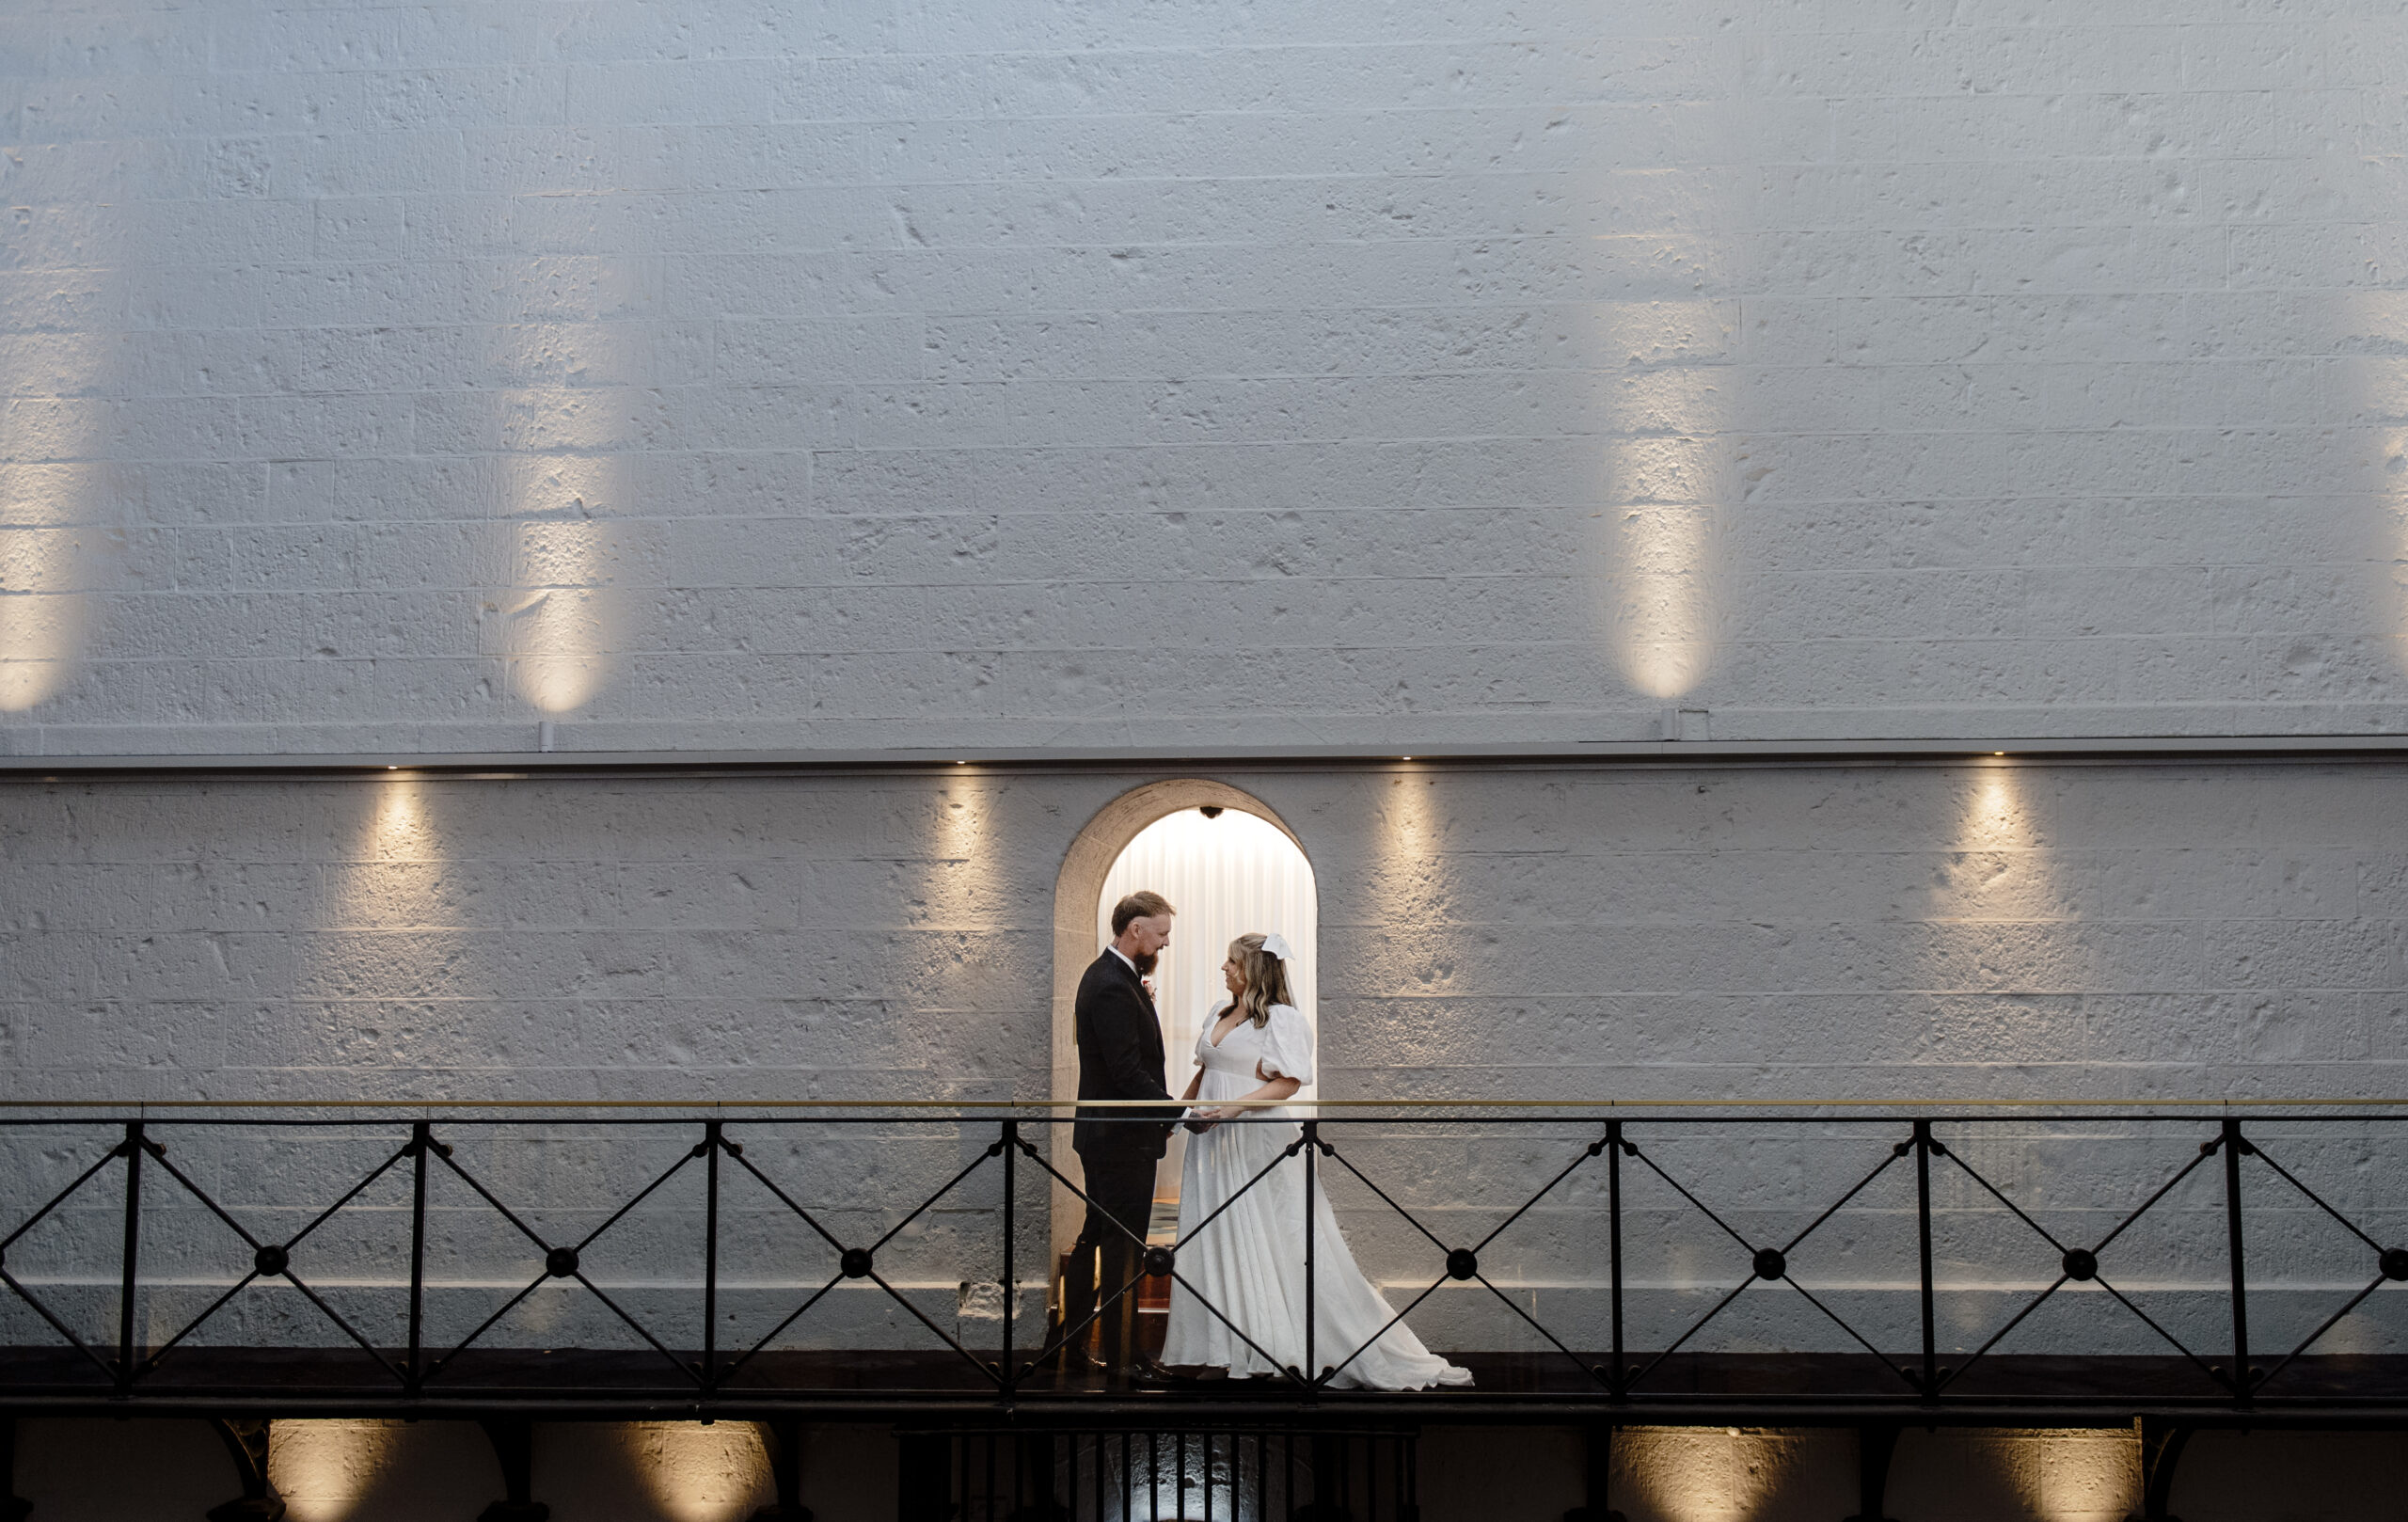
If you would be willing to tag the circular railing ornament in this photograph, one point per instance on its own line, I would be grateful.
(561, 1262)
(855, 1263)
(1771, 1263)
(1461, 1264)
(2081, 1263)
(1159, 1261)
(2394, 1262)
(270, 1260)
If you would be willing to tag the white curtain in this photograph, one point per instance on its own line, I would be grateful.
(1227, 877)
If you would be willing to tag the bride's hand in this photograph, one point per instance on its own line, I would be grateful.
(1201, 1121)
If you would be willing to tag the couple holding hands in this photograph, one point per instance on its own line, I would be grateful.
(1242, 1250)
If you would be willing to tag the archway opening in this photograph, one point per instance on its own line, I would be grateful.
(1235, 869)
(1227, 872)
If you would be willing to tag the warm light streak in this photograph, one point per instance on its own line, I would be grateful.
(325, 1468)
(50, 549)
(1702, 1474)
(2375, 333)
(1668, 480)
(2053, 1474)
(565, 432)
(694, 1473)
(564, 572)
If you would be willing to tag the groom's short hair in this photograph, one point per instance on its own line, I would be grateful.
(1143, 904)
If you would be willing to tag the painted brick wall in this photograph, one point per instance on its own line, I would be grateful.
(900, 374)
(1698, 934)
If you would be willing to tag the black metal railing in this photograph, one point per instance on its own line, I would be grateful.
(1609, 1259)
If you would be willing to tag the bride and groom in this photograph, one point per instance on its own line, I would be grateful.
(1242, 1250)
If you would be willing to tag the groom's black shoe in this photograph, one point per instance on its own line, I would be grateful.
(1151, 1373)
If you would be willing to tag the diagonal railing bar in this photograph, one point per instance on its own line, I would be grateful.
(1593, 1149)
(1974, 1174)
(2330, 1321)
(1105, 1303)
(1198, 1229)
(159, 1155)
(1999, 1336)
(583, 1242)
(1641, 1155)
(484, 1326)
(2207, 1150)
(1391, 1321)
(679, 1364)
(792, 1316)
(946, 1338)
(1862, 1184)
(2204, 1367)
(194, 1324)
(443, 1155)
(56, 1324)
(370, 1348)
(60, 1199)
(1555, 1341)
(1070, 1334)
(1694, 1328)
(1286, 1372)
(350, 1195)
(642, 1195)
(1911, 1382)
(992, 1153)
(1409, 1219)
(787, 1200)
(2348, 1225)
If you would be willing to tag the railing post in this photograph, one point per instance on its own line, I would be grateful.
(1312, 1364)
(421, 1142)
(711, 1144)
(2233, 1147)
(1922, 1238)
(1614, 1227)
(134, 1143)
(1011, 1225)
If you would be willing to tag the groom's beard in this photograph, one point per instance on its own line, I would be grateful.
(1145, 964)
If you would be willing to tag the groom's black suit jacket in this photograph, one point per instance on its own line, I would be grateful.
(1120, 1057)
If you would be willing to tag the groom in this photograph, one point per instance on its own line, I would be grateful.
(1120, 1057)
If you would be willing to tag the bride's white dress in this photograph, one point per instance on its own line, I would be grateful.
(1249, 1261)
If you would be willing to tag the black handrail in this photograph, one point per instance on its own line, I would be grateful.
(1005, 1376)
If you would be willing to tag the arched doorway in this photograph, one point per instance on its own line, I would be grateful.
(1245, 870)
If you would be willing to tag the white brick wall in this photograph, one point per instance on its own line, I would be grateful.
(1913, 932)
(921, 374)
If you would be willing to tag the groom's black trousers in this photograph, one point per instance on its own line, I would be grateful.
(1119, 1189)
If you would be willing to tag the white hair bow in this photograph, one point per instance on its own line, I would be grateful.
(1275, 945)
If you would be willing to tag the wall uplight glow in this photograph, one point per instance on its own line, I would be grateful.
(694, 1473)
(49, 542)
(568, 425)
(2375, 328)
(1702, 1474)
(561, 617)
(1668, 472)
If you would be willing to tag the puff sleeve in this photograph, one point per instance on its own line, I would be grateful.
(1288, 1045)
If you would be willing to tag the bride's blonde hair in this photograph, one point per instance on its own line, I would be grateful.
(1266, 978)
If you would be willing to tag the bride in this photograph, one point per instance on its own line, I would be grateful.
(1248, 1260)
